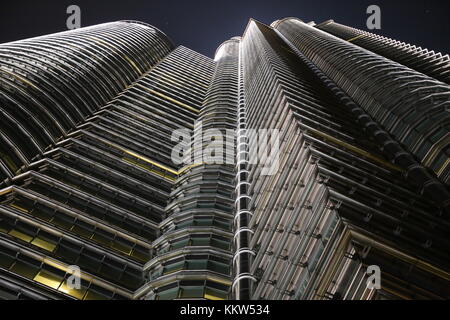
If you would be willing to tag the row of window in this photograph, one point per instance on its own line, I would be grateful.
(193, 263)
(191, 289)
(51, 277)
(195, 240)
(82, 228)
(73, 253)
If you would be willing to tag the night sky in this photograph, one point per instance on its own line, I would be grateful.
(203, 25)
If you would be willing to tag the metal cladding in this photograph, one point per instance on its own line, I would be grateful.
(97, 199)
(194, 254)
(337, 205)
(433, 64)
(50, 84)
(351, 140)
(412, 107)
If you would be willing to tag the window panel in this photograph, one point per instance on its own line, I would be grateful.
(49, 279)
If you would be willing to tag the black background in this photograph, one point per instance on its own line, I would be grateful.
(202, 25)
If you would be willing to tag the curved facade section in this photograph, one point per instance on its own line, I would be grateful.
(50, 84)
(98, 199)
(411, 106)
(433, 64)
(194, 254)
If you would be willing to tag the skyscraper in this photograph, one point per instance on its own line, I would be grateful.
(129, 163)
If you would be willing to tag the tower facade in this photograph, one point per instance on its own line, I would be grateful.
(296, 162)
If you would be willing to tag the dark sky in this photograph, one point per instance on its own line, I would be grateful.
(202, 25)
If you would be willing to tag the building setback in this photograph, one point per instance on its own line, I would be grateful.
(87, 177)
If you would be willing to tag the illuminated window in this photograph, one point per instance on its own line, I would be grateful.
(44, 244)
(212, 294)
(49, 279)
(20, 235)
(76, 293)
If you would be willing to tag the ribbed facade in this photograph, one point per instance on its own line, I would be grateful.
(194, 254)
(51, 84)
(433, 64)
(358, 123)
(97, 199)
(412, 107)
(337, 205)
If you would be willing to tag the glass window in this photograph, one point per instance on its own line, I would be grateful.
(20, 235)
(192, 292)
(169, 294)
(141, 255)
(123, 246)
(174, 267)
(6, 260)
(76, 293)
(212, 294)
(197, 264)
(98, 293)
(218, 267)
(83, 229)
(49, 279)
(44, 244)
(24, 269)
(94, 295)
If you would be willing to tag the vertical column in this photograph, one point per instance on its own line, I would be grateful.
(243, 254)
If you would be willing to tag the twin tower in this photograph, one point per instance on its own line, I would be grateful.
(357, 208)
